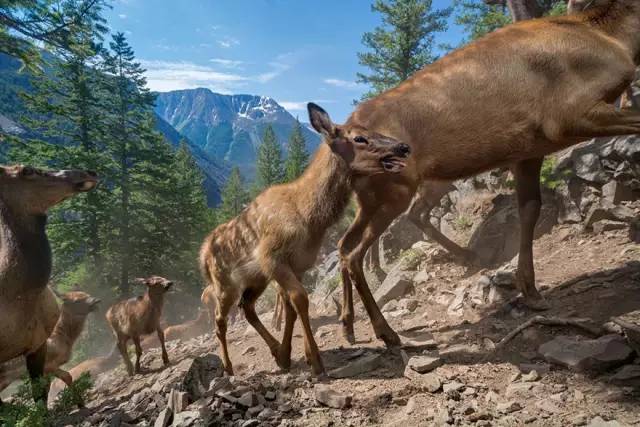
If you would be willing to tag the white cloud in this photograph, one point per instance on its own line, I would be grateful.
(228, 42)
(167, 75)
(227, 63)
(344, 84)
(293, 105)
(122, 16)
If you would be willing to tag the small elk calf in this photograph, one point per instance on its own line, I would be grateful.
(139, 316)
(278, 236)
(76, 306)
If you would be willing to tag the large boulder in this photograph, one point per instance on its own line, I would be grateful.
(600, 354)
(397, 284)
(398, 237)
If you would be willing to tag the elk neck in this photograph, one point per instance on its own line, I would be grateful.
(25, 254)
(621, 20)
(69, 327)
(323, 190)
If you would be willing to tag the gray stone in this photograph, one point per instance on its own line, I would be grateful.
(251, 423)
(531, 376)
(359, 366)
(599, 422)
(599, 354)
(424, 364)
(202, 371)
(452, 386)
(248, 399)
(615, 192)
(608, 225)
(177, 401)
(628, 375)
(266, 413)
(331, 398)
(185, 418)
(424, 342)
(165, 417)
(508, 407)
(613, 213)
(427, 382)
(270, 395)
(254, 410)
(518, 389)
(541, 368)
(396, 285)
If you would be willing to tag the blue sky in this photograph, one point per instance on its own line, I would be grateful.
(294, 51)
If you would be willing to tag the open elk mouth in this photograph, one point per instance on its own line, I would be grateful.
(392, 164)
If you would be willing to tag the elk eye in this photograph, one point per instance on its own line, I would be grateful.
(360, 140)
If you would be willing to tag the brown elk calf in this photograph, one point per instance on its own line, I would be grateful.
(28, 308)
(278, 236)
(76, 306)
(139, 316)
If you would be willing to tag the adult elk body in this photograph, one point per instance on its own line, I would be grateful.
(278, 236)
(508, 99)
(29, 310)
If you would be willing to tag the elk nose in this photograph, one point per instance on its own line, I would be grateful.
(403, 150)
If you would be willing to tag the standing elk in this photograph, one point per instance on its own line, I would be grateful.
(507, 99)
(135, 317)
(278, 236)
(29, 309)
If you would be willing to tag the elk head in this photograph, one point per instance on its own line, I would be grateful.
(33, 191)
(156, 285)
(78, 303)
(366, 152)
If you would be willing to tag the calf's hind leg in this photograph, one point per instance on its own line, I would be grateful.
(223, 305)
(248, 306)
(122, 348)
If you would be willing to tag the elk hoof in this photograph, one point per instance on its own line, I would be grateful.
(391, 339)
(347, 332)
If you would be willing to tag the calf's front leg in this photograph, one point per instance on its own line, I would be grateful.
(165, 356)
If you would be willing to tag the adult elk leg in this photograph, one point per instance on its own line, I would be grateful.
(353, 233)
(353, 247)
(35, 367)
(136, 343)
(527, 177)
(300, 302)
(428, 196)
(122, 347)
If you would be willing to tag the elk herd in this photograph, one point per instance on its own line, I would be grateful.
(505, 100)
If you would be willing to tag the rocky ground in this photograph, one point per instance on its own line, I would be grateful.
(545, 375)
(474, 355)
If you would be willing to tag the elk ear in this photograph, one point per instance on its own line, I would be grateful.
(321, 121)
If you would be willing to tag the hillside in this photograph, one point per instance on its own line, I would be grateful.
(228, 127)
(13, 82)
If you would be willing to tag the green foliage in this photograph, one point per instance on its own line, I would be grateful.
(269, 162)
(297, 156)
(403, 44)
(463, 222)
(234, 197)
(558, 9)
(57, 25)
(478, 19)
(548, 176)
(22, 411)
(411, 258)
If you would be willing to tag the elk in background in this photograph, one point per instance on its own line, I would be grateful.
(278, 236)
(139, 316)
(29, 309)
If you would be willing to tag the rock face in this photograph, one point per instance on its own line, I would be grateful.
(397, 284)
(400, 236)
(584, 355)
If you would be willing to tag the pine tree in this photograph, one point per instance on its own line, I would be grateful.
(234, 197)
(403, 44)
(269, 163)
(478, 18)
(51, 24)
(297, 156)
(67, 115)
(139, 151)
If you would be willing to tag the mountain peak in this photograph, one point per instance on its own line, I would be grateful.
(228, 127)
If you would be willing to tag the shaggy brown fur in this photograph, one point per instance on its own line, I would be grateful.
(29, 310)
(139, 316)
(508, 99)
(277, 237)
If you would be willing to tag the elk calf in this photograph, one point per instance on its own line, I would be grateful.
(139, 316)
(278, 236)
(76, 306)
